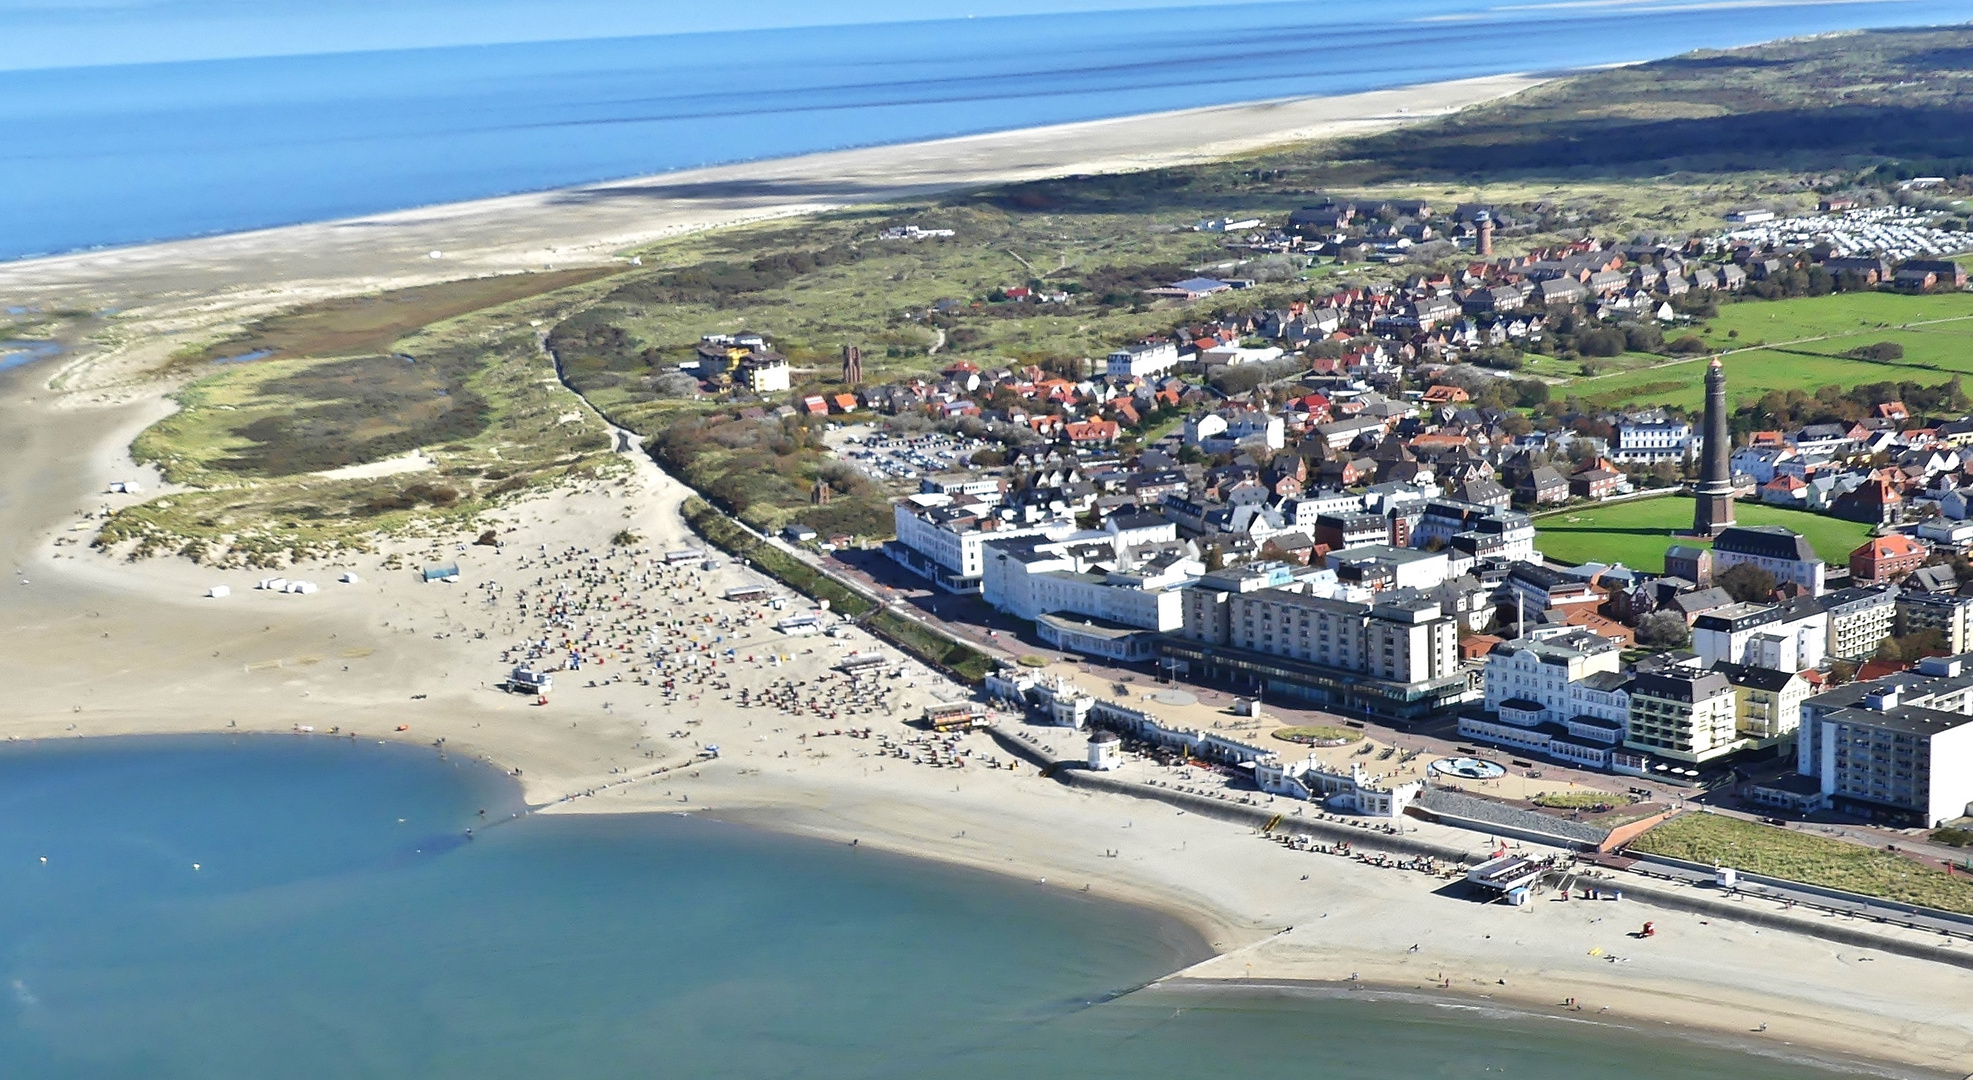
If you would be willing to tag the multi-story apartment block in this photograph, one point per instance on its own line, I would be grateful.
(1397, 657)
(1683, 714)
(1142, 361)
(1767, 704)
(1790, 636)
(1563, 696)
(1204, 608)
(1343, 531)
(1098, 574)
(1899, 748)
(1545, 674)
(1470, 532)
(1652, 437)
(944, 540)
(1860, 619)
(1950, 615)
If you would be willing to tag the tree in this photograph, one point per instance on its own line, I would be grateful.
(1746, 583)
(1882, 352)
(1913, 646)
(1663, 630)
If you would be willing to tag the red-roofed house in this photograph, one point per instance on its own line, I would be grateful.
(1886, 558)
(1084, 432)
(816, 405)
(1875, 501)
(845, 402)
(1785, 489)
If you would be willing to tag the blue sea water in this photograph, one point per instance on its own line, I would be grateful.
(98, 154)
(238, 909)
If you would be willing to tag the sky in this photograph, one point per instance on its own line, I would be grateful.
(75, 33)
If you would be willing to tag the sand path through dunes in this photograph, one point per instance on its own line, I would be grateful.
(587, 225)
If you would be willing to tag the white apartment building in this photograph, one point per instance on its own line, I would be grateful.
(1899, 748)
(1683, 714)
(1781, 552)
(1651, 437)
(1143, 361)
(1094, 574)
(1404, 639)
(1563, 696)
(1791, 636)
(766, 374)
(944, 541)
(1530, 682)
(1860, 619)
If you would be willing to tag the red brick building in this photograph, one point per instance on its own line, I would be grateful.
(1886, 558)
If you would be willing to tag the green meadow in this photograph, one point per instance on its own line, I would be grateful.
(1800, 345)
(1637, 533)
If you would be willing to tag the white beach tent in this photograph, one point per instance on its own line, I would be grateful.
(218, 591)
(349, 578)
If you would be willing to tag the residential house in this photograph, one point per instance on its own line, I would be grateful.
(1886, 558)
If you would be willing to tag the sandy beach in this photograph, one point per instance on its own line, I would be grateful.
(202, 284)
(113, 648)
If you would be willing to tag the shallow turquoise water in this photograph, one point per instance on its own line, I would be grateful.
(320, 936)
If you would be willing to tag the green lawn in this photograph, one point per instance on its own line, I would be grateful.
(1637, 533)
(1934, 350)
(1804, 857)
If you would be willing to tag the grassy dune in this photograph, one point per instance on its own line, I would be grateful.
(1805, 857)
(252, 440)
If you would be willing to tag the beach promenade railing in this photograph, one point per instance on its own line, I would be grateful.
(1652, 887)
(1876, 908)
(1369, 839)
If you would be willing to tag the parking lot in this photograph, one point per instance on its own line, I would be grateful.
(898, 458)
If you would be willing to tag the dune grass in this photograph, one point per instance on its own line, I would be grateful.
(1807, 858)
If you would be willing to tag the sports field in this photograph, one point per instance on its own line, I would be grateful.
(1799, 344)
(1637, 533)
